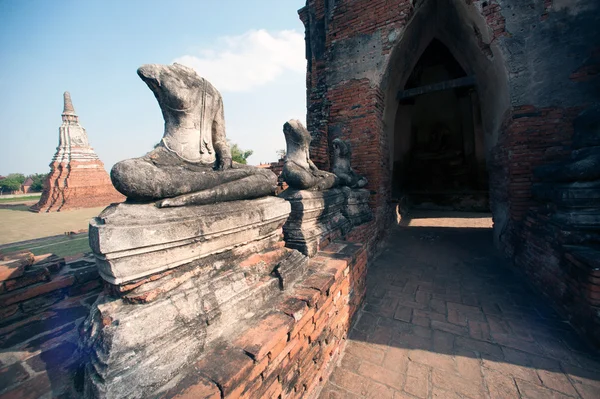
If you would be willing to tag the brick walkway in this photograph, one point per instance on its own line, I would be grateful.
(445, 318)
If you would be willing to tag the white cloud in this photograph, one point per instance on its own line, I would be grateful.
(253, 59)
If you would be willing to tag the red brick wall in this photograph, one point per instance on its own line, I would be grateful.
(536, 131)
(290, 351)
(77, 185)
(531, 137)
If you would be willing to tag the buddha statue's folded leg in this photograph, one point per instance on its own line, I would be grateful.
(358, 181)
(325, 180)
(259, 183)
(298, 177)
(141, 180)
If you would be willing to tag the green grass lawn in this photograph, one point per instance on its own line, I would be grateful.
(61, 246)
(18, 224)
(20, 199)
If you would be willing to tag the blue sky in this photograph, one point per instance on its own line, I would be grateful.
(252, 51)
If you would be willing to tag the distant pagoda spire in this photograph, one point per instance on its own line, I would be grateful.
(69, 114)
(77, 178)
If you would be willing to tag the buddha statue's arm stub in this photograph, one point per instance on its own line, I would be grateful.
(220, 143)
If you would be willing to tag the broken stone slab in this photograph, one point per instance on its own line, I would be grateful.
(357, 209)
(315, 220)
(133, 241)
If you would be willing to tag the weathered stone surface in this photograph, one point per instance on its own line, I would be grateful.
(342, 154)
(180, 278)
(153, 335)
(192, 163)
(357, 209)
(132, 241)
(77, 178)
(299, 171)
(315, 220)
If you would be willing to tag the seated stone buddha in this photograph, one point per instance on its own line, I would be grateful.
(192, 163)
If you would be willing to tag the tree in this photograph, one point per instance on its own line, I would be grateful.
(238, 155)
(12, 182)
(281, 153)
(38, 181)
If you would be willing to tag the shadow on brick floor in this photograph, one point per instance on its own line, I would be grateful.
(445, 317)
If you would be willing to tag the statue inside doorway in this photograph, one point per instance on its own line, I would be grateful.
(192, 164)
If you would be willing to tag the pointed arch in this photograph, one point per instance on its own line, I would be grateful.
(464, 32)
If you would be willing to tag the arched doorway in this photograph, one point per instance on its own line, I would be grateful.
(456, 46)
(438, 154)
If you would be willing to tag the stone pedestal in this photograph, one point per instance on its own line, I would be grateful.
(179, 279)
(357, 209)
(316, 219)
(132, 241)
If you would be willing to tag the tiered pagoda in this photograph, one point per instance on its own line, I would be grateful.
(77, 177)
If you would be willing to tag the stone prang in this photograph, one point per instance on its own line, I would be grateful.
(342, 153)
(192, 163)
(299, 171)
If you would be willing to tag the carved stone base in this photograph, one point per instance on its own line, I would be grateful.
(132, 241)
(179, 279)
(316, 219)
(357, 209)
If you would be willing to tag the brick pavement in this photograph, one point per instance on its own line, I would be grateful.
(445, 317)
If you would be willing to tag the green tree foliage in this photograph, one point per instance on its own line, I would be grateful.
(238, 155)
(12, 182)
(38, 181)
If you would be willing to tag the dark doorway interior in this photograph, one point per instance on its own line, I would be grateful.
(439, 156)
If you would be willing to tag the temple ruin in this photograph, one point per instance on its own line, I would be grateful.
(461, 105)
(77, 177)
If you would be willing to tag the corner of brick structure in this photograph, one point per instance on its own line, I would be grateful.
(533, 79)
(291, 350)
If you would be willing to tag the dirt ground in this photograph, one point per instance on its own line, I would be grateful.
(17, 223)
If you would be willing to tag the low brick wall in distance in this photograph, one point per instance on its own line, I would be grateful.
(291, 350)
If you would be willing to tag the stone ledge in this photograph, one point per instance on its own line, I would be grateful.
(133, 241)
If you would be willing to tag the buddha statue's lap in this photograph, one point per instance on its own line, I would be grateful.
(192, 164)
(162, 174)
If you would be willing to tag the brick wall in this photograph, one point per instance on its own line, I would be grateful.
(291, 350)
(531, 137)
(552, 73)
(77, 185)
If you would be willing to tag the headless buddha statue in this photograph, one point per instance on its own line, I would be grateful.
(342, 153)
(192, 164)
(299, 171)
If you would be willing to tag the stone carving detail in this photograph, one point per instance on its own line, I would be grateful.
(192, 163)
(341, 165)
(299, 171)
(133, 241)
(316, 219)
(357, 209)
